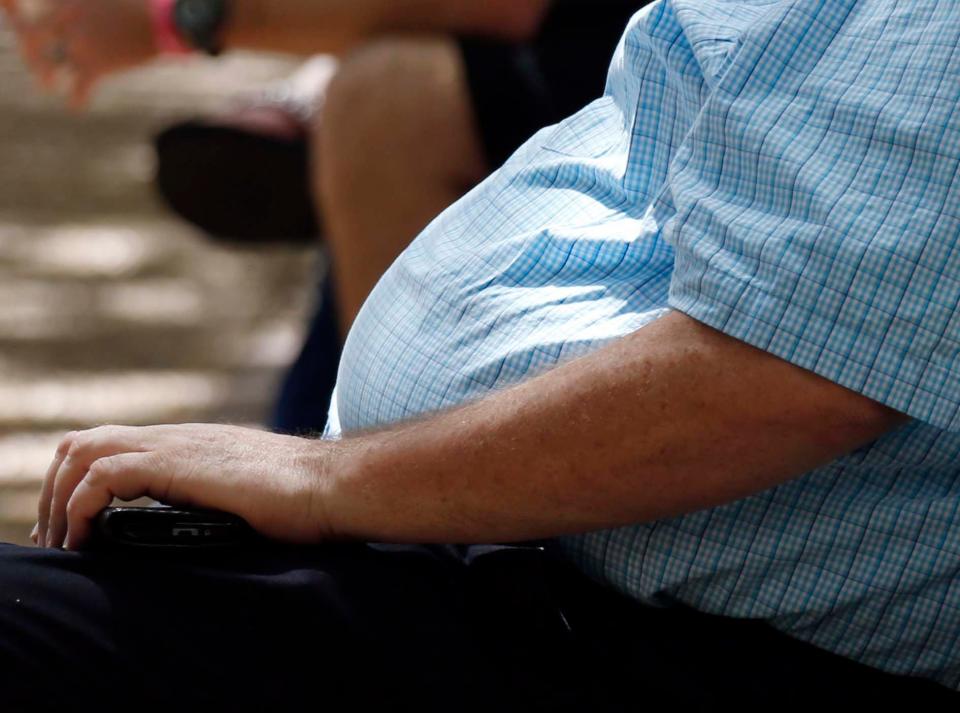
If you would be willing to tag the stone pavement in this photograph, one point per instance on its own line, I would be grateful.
(110, 310)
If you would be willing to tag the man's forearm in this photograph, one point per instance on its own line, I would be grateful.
(334, 26)
(672, 419)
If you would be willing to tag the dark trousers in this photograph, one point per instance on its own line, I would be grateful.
(303, 399)
(357, 627)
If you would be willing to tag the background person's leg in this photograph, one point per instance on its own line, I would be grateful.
(396, 143)
(410, 124)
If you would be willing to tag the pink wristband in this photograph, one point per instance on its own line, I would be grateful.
(165, 32)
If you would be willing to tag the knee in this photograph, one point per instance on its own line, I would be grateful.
(375, 72)
(368, 102)
(388, 97)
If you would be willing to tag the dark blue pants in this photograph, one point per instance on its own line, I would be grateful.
(386, 628)
(304, 398)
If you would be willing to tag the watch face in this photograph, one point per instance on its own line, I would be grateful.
(200, 21)
(199, 14)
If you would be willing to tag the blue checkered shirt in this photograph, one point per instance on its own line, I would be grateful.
(786, 172)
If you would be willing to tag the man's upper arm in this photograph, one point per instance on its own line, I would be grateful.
(816, 208)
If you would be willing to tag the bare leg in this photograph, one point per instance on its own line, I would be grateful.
(395, 144)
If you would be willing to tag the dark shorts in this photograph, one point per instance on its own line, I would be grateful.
(391, 628)
(519, 89)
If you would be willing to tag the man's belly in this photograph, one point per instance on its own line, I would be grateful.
(434, 335)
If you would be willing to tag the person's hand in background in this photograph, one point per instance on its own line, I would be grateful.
(70, 45)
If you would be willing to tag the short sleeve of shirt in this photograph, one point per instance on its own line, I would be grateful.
(818, 204)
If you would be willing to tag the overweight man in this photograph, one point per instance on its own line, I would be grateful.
(699, 342)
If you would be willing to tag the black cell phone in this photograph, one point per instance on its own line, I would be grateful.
(163, 528)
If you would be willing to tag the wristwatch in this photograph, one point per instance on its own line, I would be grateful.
(201, 22)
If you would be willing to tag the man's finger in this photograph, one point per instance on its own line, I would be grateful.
(87, 447)
(126, 476)
(46, 492)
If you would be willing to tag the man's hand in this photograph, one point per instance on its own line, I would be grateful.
(77, 43)
(267, 479)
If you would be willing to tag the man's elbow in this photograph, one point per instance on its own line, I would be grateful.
(866, 420)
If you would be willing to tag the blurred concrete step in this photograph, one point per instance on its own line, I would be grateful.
(16, 533)
(120, 244)
(18, 513)
(100, 346)
(24, 458)
(75, 400)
